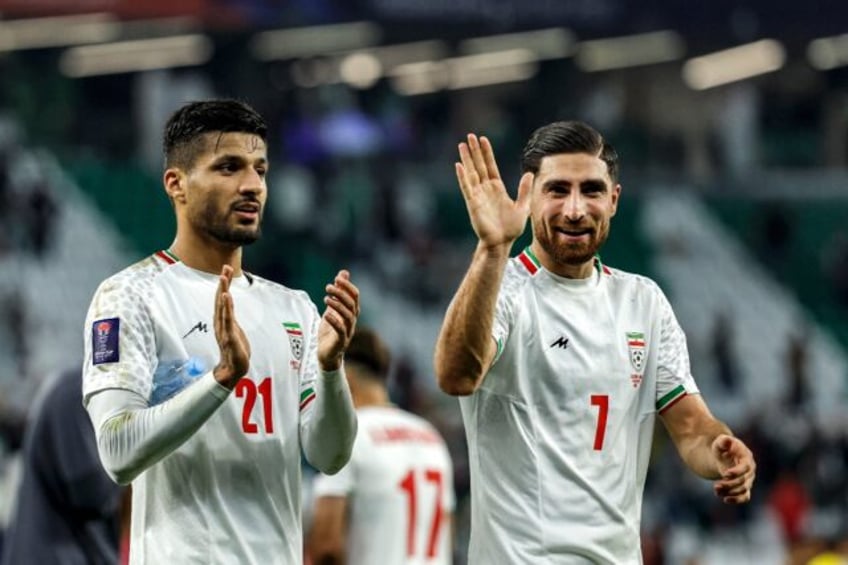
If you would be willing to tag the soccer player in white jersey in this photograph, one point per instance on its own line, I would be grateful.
(563, 364)
(393, 503)
(205, 383)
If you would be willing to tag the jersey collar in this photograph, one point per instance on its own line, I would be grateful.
(532, 264)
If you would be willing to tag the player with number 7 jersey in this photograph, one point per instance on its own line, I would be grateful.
(564, 365)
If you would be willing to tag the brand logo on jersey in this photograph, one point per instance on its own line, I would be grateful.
(561, 342)
(295, 339)
(104, 341)
(199, 326)
(636, 344)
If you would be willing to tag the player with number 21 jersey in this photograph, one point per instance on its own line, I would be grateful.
(155, 318)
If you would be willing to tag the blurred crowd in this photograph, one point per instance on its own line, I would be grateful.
(365, 180)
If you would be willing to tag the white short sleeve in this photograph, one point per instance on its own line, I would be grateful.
(120, 348)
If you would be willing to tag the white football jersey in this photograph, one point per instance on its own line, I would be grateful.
(560, 430)
(399, 486)
(231, 493)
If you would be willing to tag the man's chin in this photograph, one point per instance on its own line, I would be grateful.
(574, 256)
(239, 237)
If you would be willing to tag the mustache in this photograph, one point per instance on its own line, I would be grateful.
(252, 200)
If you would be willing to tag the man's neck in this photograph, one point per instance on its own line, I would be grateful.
(370, 396)
(205, 255)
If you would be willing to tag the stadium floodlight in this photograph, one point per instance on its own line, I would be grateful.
(828, 53)
(551, 43)
(362, 68)
(468, 71)
(423, 77)
(486, 69)
(629, 51)
(137, 55)
(36, 33)
(734, 64)
(314, 40)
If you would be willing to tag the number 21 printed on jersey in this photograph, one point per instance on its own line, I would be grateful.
(249, 390)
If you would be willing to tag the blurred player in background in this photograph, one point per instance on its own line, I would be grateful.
(68, 510)
(204, 382)
(563, 363)
(393, 503)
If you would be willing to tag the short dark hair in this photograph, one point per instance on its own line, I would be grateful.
(567, 137)
(184, 134)
(368, 350)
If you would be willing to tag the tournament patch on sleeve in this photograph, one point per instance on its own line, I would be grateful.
(104, 341)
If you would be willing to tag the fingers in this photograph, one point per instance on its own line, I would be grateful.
(724, 443)
(472, 177)
(524, 186)
(342, 302)
(489, 158)
(223, 301)
(477, 157)
(737, 480)
(736, 490)
(463, 184)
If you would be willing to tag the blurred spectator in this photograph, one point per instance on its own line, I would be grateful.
(791, 504)
(796, 363)
(775, 239)
(722, 350)
(67, 509)
(16, 318)
(835, 266)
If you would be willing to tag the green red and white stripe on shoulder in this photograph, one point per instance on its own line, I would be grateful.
(603, 269)
(670, 398)
(306, 397)
(167, 256)
(529, 260)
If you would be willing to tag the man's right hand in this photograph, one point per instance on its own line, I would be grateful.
(235, 349)
(497, 219)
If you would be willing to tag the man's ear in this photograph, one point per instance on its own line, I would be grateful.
(174, 180)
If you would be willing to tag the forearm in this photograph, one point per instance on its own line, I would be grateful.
(464, 348)
(132, 436)
(696, 449)
(330, 430)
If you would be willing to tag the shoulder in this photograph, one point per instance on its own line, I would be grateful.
(519, 271)
(138, 278)
(281, 293)
(633, 283)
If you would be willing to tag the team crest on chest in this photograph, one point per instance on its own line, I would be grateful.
(636, 345)
(295, 334)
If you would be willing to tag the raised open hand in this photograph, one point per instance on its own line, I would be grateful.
(235, 349)
(338, 322)
(496, 218)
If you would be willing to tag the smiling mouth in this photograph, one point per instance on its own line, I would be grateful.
(574, 233)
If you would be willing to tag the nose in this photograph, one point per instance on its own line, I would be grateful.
(574, 206)
(252, 183)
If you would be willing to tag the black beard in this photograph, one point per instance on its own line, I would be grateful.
(216, 227)
(234, 236)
